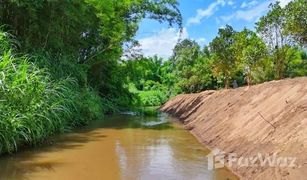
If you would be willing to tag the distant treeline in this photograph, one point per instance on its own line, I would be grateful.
(276, 50)
(61, 67)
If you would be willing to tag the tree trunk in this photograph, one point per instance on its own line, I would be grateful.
(226, 83)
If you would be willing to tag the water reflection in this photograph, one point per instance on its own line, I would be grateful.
(159, 122)
(119, 147)
(164, 154)
(169, 154)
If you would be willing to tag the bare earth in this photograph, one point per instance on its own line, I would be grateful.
(267, 118)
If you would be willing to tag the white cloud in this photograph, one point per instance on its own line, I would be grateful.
(222, 27)
(228, 18)
(250, 14)
(162, 43)
(203, 13)
(230, 3)
(249, 4)
(201, 41)
(254, 10)
(253, 13)
(283, 3)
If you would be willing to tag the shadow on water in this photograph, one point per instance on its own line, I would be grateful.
(18, 165)
(18, 170)
(108, 147)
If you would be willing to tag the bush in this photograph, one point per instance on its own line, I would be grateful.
(152, 97)
(90, 106)
(34, 105)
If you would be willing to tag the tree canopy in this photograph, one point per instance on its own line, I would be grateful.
(61, 61)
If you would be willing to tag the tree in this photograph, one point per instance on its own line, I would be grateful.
(138, 71)
(271, 28)
(185, 53)
(182, 60)
(201, 77)
(297, 62)
(90, 32)
(250, 53)
(191, 67)
(295, 25)
(224, 60)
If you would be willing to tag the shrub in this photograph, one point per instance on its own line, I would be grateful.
(35, 105)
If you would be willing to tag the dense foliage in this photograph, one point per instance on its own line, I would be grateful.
(274, 51)
(59, 62)
(145, 81)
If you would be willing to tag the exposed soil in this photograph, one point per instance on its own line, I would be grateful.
(267, 118)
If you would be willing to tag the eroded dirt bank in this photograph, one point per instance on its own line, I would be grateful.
(267, 118)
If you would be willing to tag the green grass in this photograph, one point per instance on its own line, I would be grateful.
(35, 105)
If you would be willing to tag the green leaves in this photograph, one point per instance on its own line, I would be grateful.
(279, 28)
(88, 32)
(271, 27)
(296, 23)
(250, 52)
(191, 67)
(35, 104)
(224, 54)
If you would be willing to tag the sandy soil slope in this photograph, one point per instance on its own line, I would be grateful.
(269, 118)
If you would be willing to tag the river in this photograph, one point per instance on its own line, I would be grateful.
(124, 147)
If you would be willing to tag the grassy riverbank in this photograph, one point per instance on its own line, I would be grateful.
(60, 63)
(38, 101)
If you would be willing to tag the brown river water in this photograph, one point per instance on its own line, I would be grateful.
(118, 147)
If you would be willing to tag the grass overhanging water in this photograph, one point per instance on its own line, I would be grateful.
(35, 104)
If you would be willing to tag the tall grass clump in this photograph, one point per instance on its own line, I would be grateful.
(34, 105)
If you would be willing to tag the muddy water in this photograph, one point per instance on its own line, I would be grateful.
(119, 147)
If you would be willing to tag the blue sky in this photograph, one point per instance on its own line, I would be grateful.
(201, 21)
